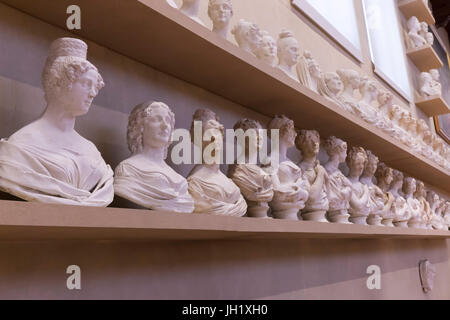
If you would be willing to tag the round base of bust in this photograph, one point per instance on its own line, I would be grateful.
(361, 220)
(401, 224)
(258, 211)
(338, 216)
(316, 216)
(374, 220)
(416, 224)
(288, 214)
(387, 222)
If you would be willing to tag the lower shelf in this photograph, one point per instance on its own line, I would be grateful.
(31, 221)
(425, 58)
(433, 106)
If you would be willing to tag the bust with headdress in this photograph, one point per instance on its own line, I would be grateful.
(309, 71)
(145, 178)
(47, 160)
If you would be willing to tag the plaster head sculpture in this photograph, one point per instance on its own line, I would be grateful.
(308, 142)
(399, 207)
(172, 4)
(191, 8)
(385, 176)
(351, 81)
(385, 101)
(268, 50)
(404, 124)
(248, 36)
(255, 184)
(437, 221)
(309, 71)
(427, 274)
(220, 12)
(425, 209)
(331, 88)
(339, 188)
(414, 28)
(415, 217)
(145, 179)
(47, 160)
(290, 190)
(212, 191)
(377, 198)
(424, 33)
(360, 200)
(428, 85)
(288, 53)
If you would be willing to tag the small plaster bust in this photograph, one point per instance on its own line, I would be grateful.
(248, 36)
(220, 12)
(288, 53)
(268, 50)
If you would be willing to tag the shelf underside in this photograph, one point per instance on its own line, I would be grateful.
(20, 221)
(425, 58)
(159, 36)
(433, 106)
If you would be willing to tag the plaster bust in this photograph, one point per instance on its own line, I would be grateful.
(220, 12)
(380, 203)
(424, 33)
(399, 207)
(425, 209)
(255, 184)
(47, 160)
(212, 191)
(351, 80)
(145, 178)
(429, 84)
(409, 187)
(339, 188)
(385, 176)
(191, 8)
(369, 93)
(437, 221)
(359, 202)
(316, 207)
(247, 35)
(415, 39)
(172, 4)
(290, 190)
(268, 50)
(331, 87)
(309, 72)
(288, 53)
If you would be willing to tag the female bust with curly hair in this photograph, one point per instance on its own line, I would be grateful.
(145, 178)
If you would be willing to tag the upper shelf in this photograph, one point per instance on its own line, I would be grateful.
(425, 58)
(22, 221)
(433, 106)
(416, 8)
(162, 37)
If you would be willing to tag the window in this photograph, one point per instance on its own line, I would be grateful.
(386, 44)
(337, 18)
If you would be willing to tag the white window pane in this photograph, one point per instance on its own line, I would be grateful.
(386, 44)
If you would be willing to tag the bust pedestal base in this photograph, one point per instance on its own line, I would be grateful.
(316, 216)
(401, 224)
(338, 216)
(387, 222)
(257, 210)
(288, 214)
(361, 220)
(417, 224)
(374, 220)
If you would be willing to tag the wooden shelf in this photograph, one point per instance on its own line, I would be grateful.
(153, 33)
(20, 221)
(416, 8)
(425, 58)
(433, 106)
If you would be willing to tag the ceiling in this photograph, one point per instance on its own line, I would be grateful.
(441, 12)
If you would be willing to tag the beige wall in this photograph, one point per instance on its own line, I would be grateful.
(298, 269)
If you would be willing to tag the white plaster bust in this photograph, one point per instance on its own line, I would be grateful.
(427, 150)
(385, 176)
(351, 80)
(424, 33)
(331, 88)
(409, 187)
(316, 207)
(428, 85)
(47, 160)
(360, 200)
(385, 105)
(288, 53)
(145, 178)
(255, 184)
(369, 93)
(399, 207)
(172, 4)
(248, 36)
(379, 203)
(447, 215)
(309, 71)
(268, 50)
(404, 123)
(422, 129)
(425, 209)
(415, 39)
(427, 274)
(339, 188)
(290, 190)
(436, 220)
(212, 191)
(220, 12)
(191, 8)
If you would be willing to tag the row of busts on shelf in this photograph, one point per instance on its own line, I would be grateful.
(429, 84)
(418, 34)
(48, 161)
